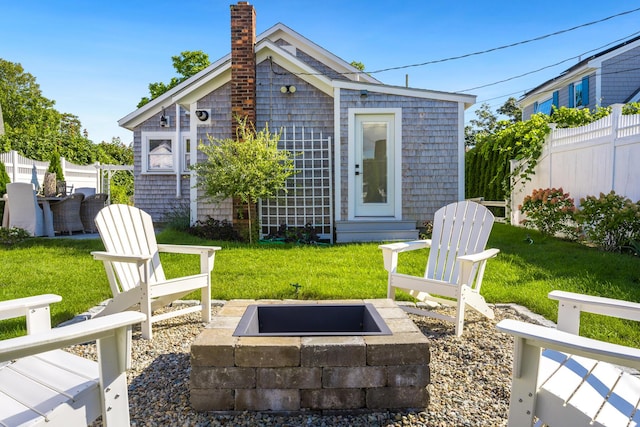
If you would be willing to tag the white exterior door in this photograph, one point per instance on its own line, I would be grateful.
(374, 165)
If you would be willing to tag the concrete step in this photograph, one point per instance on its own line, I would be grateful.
(375, 231)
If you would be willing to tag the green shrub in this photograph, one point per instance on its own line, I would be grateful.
(307, 235)
(551, 211)
(610, 221)
(213, 229)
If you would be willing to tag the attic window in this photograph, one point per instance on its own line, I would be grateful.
(158, 152)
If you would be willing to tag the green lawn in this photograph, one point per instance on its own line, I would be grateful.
(522, 273)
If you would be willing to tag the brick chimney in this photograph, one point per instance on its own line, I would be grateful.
(243, 63)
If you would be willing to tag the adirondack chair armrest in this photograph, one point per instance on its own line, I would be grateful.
(480, 256)
(207, 254)
(187, 249)
(390, 251)
(34, 308)
(570, 305)
(545, 337)
(89, 330)
(108, 256)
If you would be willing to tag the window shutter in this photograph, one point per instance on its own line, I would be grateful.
(572, 96)
(535, 107)
(585, 91)
(555, 99)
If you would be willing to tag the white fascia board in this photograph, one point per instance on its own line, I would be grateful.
(467, 100)
(168, 98)
(267, 48)
(281, 31)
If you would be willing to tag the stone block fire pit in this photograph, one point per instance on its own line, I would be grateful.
(309, 371)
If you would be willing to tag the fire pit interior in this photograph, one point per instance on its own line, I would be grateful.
(311, 320)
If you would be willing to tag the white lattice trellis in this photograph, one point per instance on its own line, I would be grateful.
(309, 195)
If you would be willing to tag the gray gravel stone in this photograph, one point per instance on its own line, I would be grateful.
(470, 379)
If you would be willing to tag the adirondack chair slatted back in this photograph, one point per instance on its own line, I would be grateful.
(458, 229)
(127, 230)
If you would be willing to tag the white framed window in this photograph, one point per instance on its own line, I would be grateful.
(158, 152)
(186, 153)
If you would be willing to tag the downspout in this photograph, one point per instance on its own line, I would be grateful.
(193, 158)
(176, 155)
(337, 164)
(461, 151)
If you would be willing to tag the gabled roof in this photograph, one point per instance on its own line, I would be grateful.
(588, 64)
(267, 47)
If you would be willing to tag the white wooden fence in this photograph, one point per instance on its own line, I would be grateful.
(20, 169)
(588, 160)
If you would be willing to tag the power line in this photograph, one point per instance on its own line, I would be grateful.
(508, 45)
(549, 66)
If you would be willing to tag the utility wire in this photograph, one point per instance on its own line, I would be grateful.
(508, 45)
(549, 66)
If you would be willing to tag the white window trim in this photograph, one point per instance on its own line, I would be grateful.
(184, 165)
(145, 137)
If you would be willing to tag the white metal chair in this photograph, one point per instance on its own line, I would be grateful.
(136, 277)
(43, 385)
(455, 266)
(563, 379)
(23, 209)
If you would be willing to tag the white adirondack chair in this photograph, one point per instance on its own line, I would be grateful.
(455, 265)
(43, 385)
(136, 277)
(564, 379)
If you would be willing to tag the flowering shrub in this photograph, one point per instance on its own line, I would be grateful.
(13, 236)
(610, 221)
(551, 211)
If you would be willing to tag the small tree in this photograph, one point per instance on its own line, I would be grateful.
(249, 167)
(55, 166)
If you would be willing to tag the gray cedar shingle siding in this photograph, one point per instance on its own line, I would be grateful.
(219, 102)
(620, 77)
(312, 62)
(308, 106)
(154, 193)
(429, 150)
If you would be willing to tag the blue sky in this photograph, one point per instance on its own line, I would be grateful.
(96, 59)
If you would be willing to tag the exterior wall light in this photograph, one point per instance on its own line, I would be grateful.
(164, 120)
(288, 89)
(202, 115)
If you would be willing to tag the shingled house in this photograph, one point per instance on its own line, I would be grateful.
(374, 160)
(611, 76)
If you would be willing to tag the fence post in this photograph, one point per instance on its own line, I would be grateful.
(616, 113)
(14, 161)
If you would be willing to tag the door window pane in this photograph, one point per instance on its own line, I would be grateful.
(374, 159)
